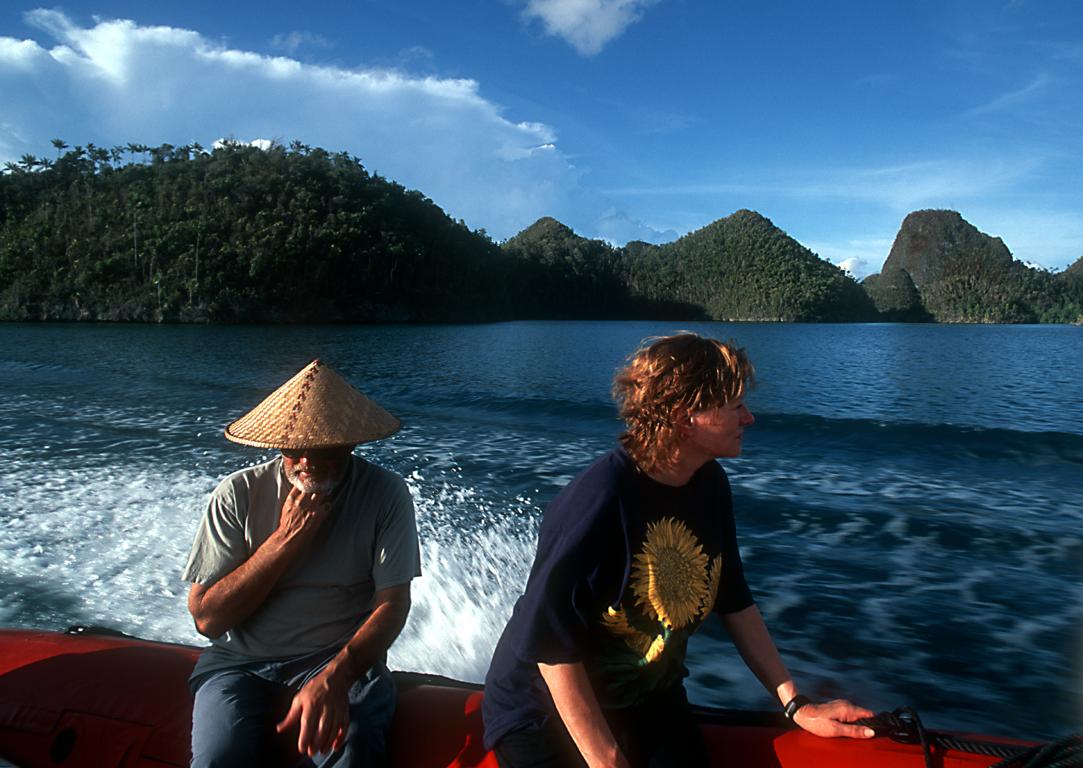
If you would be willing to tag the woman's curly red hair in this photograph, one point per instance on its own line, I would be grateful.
(671, 374)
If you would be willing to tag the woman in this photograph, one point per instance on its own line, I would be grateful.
(632, 556)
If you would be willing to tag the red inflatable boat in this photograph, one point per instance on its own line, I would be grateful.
(103, 701)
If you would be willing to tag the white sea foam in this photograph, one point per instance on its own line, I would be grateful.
(475, 561)
(106, 545)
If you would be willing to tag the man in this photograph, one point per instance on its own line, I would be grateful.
(632, 556)
(300, 575)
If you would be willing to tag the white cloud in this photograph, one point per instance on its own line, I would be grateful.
(854, 267)
(618, 228)
(263, 144)
(994, 193)
(587, 25)
(1051, 239)
(291, 42)
(20, 54)
(932, 183)
(416, 54)
(858, 256)
(1013, 98)
(116, 82)
(903, 187)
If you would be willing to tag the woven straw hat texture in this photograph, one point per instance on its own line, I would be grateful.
(317, 408)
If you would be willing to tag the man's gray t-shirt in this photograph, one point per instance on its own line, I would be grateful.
(368, 544)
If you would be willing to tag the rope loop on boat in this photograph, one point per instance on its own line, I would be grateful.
(1066, 753)
(904, 726)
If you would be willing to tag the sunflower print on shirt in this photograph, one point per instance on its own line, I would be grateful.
(674, 586)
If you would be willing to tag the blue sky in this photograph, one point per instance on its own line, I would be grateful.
(625, 119)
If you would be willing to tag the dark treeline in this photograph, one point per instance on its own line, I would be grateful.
(298, 234)
(235, 235)
(561, 275)
(741, 267)
(295, 234)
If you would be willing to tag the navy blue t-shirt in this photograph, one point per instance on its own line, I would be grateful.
(626, 569)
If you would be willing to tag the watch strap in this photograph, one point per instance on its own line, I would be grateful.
(795, 704)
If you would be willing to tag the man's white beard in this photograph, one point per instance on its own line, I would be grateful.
(323, 487)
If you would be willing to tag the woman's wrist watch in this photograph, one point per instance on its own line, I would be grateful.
(795, 704)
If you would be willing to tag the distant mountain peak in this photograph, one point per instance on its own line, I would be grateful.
(931, 243)
(747, 217)
(743, 219)
(546, 226)
(748, 213)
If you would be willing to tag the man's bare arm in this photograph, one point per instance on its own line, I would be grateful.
(321, 707)
(236, 596)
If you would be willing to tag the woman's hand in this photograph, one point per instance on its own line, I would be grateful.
(834, 718)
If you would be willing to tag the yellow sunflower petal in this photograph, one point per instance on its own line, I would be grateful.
(655, 650)
(617, 622)
(714, 578)
(669, 575)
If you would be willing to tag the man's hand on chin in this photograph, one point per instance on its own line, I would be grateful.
(321, 711)
(301, 516)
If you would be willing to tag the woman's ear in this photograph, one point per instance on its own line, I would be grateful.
(681, 419)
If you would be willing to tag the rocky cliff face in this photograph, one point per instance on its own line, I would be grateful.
(942, 268)
(933, 245)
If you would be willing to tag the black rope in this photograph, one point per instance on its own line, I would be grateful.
(904, 726)
(1066, 753)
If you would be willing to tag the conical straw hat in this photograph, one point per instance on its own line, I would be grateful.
(317, 408)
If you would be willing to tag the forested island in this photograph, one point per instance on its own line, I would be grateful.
(942, 269)
(298, 234)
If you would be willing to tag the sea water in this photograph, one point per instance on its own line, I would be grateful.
(909, 503)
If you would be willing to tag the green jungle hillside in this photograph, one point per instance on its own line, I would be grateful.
(941, 268)
(743, 267)
(235, 235)
(298, 234)
(562, 275)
